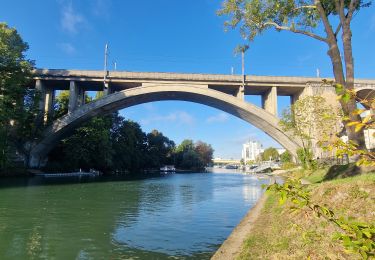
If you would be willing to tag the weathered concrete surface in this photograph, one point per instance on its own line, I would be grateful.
(269, 100)
(156, 92)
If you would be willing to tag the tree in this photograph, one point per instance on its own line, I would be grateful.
(90, 146)
(270, 154)
(286, 157)
(18, 105)
(159, 149)
(303, 17)
(61, 104)
(193, 156)
(205, 152)
(311, 120)
(130, 146)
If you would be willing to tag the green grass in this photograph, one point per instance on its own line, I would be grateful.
(280, 234)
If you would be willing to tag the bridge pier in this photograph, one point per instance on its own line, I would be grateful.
(241, 92)
(46, 101)
(269, 100)
(107, 89)
(76, 96)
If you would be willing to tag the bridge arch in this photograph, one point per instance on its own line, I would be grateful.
(367, 93)
(258, 117)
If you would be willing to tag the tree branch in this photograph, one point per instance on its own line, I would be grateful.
(340, 10)
(287, 28)
(352, 7)
(338, 29)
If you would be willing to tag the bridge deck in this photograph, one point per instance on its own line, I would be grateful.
(92, 80)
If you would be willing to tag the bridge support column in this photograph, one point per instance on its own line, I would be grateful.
(241, 93)
(81, 97)
(48, 108)
(269, 101)
(107, 89)
(45, 102)
(73, 96)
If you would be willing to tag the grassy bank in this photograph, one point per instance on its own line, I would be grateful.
(280, 234)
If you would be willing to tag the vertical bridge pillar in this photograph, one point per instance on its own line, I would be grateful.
(269, 100)
(241, 92)
(46, 101)
(73, 96)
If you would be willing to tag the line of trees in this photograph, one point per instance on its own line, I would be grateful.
(113, 144)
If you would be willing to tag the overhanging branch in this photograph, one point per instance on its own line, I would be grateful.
(287, 28)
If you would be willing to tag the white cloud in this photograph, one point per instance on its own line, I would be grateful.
(71, 21)
(178, 117)
(101, 8)
(66, 47)
(219, 118)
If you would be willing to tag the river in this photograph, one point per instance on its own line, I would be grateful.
(176, 216)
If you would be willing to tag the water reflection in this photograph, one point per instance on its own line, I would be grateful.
(182, 215)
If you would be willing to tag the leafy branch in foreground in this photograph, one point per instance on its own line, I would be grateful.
(356, 237)
(350, 148)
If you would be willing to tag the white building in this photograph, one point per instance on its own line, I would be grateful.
(368, 133)
(251, 150)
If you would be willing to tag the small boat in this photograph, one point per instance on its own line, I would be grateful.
(168, 168)
(92, 173)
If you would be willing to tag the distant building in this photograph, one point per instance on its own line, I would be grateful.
(368, 134)
(251, 150)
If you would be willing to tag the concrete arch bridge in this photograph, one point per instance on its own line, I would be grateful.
(126, 89)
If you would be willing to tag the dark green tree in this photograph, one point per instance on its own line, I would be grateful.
(205, 153)
(253, 17)
(160, 149)
(18, 104)
(130, 146)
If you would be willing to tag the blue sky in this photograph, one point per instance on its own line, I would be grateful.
(175, 36)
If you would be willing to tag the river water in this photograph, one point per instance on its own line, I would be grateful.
(176, 216)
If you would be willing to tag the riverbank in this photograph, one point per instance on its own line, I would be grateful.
(275, 233)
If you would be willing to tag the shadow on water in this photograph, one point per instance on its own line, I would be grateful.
(10, 182)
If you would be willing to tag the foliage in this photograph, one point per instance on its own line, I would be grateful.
(62, 103)
(288, 166)
(129, 143)
(160, 149)
(306, 157)
(270, 154)
(285, 157)
(112, 144)
(351, 148)
(205, 152)
(18, 105)
(355, 236)
(310, 119)
(193, 156)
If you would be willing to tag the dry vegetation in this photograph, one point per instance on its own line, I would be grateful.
(280, 234)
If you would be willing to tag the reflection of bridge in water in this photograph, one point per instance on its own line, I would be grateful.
(125, 89)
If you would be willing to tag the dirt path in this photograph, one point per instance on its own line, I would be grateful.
(231, 247)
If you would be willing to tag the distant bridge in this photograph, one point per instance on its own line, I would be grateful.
(126, 89)
(226, 161)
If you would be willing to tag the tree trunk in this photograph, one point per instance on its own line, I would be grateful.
(357, 137)
(338, 71)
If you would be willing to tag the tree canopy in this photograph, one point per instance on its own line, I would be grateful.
(253, 17)
(18, 105)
